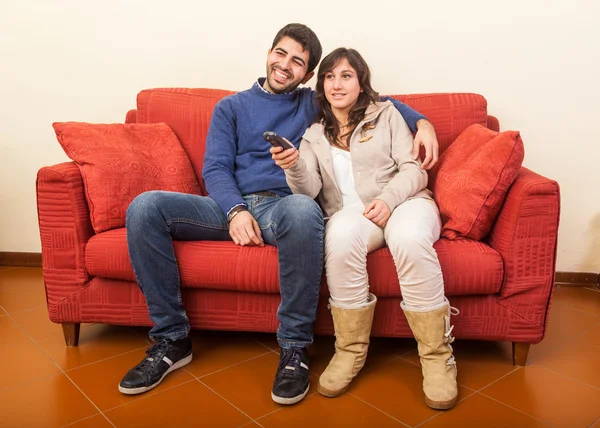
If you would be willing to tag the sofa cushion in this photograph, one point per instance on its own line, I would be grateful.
(472, 180)
(469, 267)
(118, 162)
(187, 112)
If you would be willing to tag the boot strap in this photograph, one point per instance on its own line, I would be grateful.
(448, 338)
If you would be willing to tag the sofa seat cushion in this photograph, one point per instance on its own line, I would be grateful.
(469, 267)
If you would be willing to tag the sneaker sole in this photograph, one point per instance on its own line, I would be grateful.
(179, 364)
(287, 401)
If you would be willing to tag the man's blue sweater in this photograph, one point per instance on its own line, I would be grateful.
(237, 160)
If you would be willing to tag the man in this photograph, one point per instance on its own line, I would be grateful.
(250, 203)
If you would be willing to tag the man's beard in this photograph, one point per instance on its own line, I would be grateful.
(273, 84)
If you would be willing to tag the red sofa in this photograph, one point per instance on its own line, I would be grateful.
(501, 285)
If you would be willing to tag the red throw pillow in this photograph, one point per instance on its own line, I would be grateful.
(473, 178)
(120, 161)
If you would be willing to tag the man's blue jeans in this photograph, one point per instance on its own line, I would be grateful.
(294, 224)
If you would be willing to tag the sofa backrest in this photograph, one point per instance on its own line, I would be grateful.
(188, 112)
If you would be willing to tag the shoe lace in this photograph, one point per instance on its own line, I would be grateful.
(155, 353)
(289, 363)
(448, 338)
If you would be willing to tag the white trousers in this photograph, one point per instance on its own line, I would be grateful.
(410, 234)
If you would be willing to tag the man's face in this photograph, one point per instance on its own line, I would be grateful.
(287, 63)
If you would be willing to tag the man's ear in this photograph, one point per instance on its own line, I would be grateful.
(307, 77)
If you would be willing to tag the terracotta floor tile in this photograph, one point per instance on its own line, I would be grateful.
(319, 411)
(591, 336)
(97, 421)
(547, 396)
(248, 385)
(596, 425)
(23, 297)
(190, 404)
(24, 362)
(396, 388)
(36, 323)
(584, 299)
(564, 323)
(143, 333)
(480, 411)
(50, 402)
(96, 342)
(267, 339)
(217, 350)
(2, 311)
(479, 363)
(577, 359)
(99, 381)
(11, 333)
(21, 277)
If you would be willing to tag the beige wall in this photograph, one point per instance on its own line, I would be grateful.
(537, 63)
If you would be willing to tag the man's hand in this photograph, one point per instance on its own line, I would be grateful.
(244, 230)
(378, 212)
(426, 137)
(284, 158)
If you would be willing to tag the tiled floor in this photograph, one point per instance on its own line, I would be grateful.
(45, 384)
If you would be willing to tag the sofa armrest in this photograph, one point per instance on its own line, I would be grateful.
(525, 234)
(131, 116)
(65, 228)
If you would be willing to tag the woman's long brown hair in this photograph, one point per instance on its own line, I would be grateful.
(357, 112)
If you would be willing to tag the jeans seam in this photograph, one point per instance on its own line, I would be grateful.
(195, 223)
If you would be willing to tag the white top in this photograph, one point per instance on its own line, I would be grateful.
(342, 170)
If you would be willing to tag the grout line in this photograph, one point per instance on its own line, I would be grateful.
(566, 377)
(514, 370)
(29, 382)
(379, 410)
(513, 408)
(85, 419)
(226, 400)
(60, 369)
(144, 396)
(281, 407)
(560, 347)
(104, 359)
(228, 367)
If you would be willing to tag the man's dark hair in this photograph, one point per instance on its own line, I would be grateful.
(306, 38)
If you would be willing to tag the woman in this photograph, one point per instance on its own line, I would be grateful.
(356, 158)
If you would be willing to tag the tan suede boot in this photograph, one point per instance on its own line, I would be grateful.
(432, 331)
(352, 336)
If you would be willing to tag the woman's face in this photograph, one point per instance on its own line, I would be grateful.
(341, 87)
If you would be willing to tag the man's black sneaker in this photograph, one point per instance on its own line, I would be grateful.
(292, 380)
(162, 358)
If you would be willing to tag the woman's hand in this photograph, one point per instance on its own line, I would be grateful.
(284, 158)
(378, 212)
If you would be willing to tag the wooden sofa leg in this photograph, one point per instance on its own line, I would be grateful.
(520, 352)
(71, 333)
